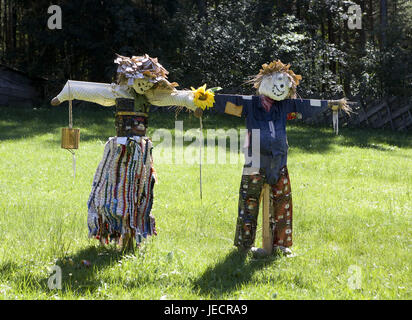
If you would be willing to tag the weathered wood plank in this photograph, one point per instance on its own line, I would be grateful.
(401, 111)
(267, 238)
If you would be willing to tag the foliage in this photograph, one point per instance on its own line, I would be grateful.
(221, 43)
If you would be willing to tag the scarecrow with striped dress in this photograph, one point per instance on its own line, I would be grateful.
(120, 202)
(267, 148)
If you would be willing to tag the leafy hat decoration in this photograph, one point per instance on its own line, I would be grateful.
(142, 67)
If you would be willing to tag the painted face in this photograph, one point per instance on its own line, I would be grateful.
(275, 86)
(142, 85)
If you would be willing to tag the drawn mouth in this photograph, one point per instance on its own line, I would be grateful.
(277, 94)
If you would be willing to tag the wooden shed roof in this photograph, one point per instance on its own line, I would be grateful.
(36, 78)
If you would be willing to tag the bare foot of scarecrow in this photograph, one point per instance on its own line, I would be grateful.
(55, 102)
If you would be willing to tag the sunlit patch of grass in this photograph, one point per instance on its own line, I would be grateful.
(352, 207)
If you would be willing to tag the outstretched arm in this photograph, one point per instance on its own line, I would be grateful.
(164, 97)
(235, 105)
(310, 107)
(104, 94)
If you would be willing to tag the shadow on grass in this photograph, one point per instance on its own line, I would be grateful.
(319, 139)
(229, 274)
(23, 123)
(80, 278)
(8, 267)
(97, 123)
(77, 278)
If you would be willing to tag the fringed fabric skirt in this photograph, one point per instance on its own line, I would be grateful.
(121, 198)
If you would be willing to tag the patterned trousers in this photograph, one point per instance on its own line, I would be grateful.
(280, 209)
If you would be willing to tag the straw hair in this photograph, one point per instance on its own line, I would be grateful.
(342, 104)
(275, 67)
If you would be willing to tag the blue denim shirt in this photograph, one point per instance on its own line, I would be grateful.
(271, 126)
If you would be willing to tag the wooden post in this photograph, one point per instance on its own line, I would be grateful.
(267, 240)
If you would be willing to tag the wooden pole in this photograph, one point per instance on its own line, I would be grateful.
(200, 157)
(267, 237)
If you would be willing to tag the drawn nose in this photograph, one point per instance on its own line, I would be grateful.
(282, 85)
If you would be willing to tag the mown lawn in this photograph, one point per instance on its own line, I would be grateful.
(352, 211)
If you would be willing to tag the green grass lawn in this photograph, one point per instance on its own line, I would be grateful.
(352, 209)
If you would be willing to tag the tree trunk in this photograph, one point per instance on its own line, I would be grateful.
(347, 74)
(371, 21)
(322, 29)
(298, 4)
(384, 21)
(201, 5)
(11, 28)
(6, 28)
(331, 39)
(362, 38)
(2, 40)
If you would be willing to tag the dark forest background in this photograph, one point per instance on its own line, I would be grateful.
(218, 42)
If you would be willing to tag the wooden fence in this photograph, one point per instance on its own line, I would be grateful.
(393, 113)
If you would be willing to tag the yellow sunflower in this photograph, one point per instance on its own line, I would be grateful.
(203, 98)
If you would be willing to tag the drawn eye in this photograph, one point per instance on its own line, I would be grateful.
(282, 85)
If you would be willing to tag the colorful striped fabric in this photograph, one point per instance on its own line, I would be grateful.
(121, 198)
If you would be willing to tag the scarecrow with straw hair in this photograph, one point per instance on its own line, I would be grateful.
(266, 150)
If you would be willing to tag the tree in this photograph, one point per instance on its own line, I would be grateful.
(217, 42)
